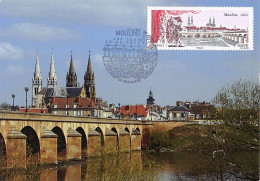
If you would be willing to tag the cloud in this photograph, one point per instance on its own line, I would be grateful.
(10, 52)
(38, 32)
(14, 70)
(105, 12)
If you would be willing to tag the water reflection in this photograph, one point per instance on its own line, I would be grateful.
(132, 166)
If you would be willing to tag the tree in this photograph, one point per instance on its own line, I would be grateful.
(4, 105)
(237, 107)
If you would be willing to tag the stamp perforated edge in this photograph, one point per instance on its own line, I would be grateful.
(250, 28)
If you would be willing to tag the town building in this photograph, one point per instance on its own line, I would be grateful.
(179, 112)
(134, 112)
(187, 111)
(200, 110)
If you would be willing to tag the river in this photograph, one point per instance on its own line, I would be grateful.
(133, 166)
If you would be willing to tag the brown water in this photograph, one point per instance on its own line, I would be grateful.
(137, 166)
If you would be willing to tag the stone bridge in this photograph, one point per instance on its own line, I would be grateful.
(196, 34)
(236, 36)
(49, 138)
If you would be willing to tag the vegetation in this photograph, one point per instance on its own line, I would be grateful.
(237, 108)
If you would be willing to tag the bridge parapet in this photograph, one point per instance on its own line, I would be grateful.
(54, 137)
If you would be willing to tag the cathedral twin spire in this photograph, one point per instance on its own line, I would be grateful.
(71, 78)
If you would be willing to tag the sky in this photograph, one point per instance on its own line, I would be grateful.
(80, 26)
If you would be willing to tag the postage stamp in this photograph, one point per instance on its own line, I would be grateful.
(126, 57)
(201, 28)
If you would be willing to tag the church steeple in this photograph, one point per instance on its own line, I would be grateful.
(52, 78)
(150, 100)
(89, 80)
(36, 80)
(71, 75)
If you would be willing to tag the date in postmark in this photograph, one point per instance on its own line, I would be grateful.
(201, 28)
(126, 57)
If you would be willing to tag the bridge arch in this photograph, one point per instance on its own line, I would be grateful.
(130, 140)
(83, 141)
(197, 35)
(2, 151)
(117, 138)
(203, 36)
(99, 130)
(32, 142)
(61, 141)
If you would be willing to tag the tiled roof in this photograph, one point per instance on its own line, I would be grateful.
(56, 92)
(73, 91)
(80, 102)
(43, 91)
(62, 92)
(179, 108)
(200, 109)
(131, 110)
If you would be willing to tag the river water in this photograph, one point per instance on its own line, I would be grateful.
(136, 166)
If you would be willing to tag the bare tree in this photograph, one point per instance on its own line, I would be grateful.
(5, 106)
(238, 106)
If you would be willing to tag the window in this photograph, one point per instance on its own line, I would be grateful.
(55, 107)
(66, 111)
(75, 112)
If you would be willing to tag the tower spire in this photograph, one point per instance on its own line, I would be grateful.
(89, 69)
(71, 75)
(89, 80)
(71, 64)
(52, 78)
(36, 80)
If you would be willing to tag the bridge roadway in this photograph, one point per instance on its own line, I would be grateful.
(48, 138)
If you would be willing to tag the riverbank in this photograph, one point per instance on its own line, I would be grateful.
(195, 137)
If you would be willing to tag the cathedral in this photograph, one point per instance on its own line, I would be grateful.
(72, 89)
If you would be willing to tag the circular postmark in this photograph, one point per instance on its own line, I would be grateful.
(126, 57)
